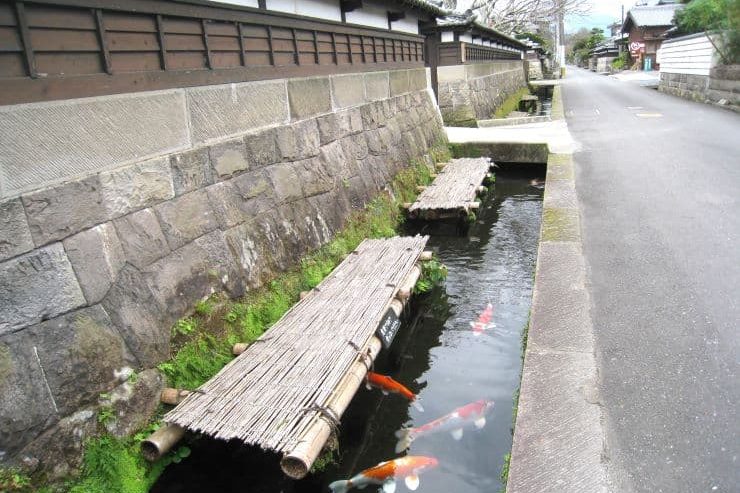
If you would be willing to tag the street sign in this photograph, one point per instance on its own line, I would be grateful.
(388, 327)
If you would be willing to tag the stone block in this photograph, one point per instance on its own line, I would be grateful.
(298, 141)
(37, 286)
(309, 97)
(377, 86)
(15, 236)
(141, 238)
(313, 176)
(57, 212)
(186, 218)
(417, 79)
(399, 82)
(142, 322)
(228, 158)
(191, 170)
(347, 90)
(350, 122)
(560, 224)
(558, 439)
(189, 274)
(355, 146)
(26, 408)
(257, 248)
(329, 129)
(68, 138)
(80, 353)
(241, 199)
(451, 73)
(560, 194)
(262, 148)
(285, 182)
(134, 403)
(335, 162)
(137, 186)
(228, 109)
(60, 448)
(97, 256)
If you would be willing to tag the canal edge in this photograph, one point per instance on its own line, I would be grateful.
(559, 440)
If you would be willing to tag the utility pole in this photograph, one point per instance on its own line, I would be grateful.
(561, 36)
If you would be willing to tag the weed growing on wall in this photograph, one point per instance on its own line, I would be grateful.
(510, 104)
(203, 341)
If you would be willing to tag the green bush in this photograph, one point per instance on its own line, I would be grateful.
(720, 16)
(621, 61)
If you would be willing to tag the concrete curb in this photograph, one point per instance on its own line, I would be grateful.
(558, 438)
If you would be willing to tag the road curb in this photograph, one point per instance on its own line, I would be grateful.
(558, 437)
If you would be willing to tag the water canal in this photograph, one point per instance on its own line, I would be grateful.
(437, 355)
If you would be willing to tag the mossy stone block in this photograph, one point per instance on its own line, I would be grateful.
(560, 224)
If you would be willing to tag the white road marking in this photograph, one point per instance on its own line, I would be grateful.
(596, 110)
(649, 115)
(634, 107)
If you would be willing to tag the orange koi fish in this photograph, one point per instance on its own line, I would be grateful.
(454, 422)
(484, 321)
(386, 473)
(388, 385)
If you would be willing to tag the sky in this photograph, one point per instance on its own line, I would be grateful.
(603, 13)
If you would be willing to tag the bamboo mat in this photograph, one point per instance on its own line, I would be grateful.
(455, 187)
(265, 395)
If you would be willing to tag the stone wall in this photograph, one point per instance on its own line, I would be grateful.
(96, 267)
(722, 84)
(473, 92)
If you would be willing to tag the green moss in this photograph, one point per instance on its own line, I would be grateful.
(325, 460)
(463, 116)
(116, 465)
(466, 150)
(504, 474)
(6, 363)
(510, 104)
(560, 224)
(13, 480)
(560, 167)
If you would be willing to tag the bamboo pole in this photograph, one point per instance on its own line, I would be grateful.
(426, 255)
(298, 462)
(420, 188)
(407, 285)
(239, 348)
(172, 396)
(161, 441)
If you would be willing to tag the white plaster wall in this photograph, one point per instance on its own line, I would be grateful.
(448, 36)
(245, 3)
(409, 24)
(373, 15)
(322, 9)
(466, 37)
(692, 55)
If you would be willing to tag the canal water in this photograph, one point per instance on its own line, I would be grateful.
(437, 355)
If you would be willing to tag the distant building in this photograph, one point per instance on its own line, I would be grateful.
(646, 26)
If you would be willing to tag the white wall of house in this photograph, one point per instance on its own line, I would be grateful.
(322, 9)
(692, 54)
(409, 24)
(244, 3)
(466, 37)
(448, 36)
(371, 14)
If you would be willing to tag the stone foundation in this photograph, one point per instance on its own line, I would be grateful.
(723, 83)
(473, 92)
(96, 267)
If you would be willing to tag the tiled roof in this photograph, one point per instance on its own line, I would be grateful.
(647, 16)
(469, 19)
(431, 6)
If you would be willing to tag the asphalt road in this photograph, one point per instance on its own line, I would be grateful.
(658, 181)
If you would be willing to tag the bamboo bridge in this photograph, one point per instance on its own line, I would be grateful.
(286, 392)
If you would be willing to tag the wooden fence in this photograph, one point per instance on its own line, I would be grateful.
(71, 48)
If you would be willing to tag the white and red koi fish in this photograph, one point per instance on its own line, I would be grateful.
(388, 385)
(483, 321)
(473, 414)
(386, 473)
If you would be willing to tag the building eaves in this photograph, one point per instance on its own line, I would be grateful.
(651, 16)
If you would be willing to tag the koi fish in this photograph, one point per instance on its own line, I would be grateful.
(454, 422)
(386, 473)
(388, 385)
(484, 321)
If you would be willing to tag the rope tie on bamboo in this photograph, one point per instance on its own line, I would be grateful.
(328, 414)
(366, 356)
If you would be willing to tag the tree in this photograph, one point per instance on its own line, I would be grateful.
(522, 15)
(583, 45)
(721, 17)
